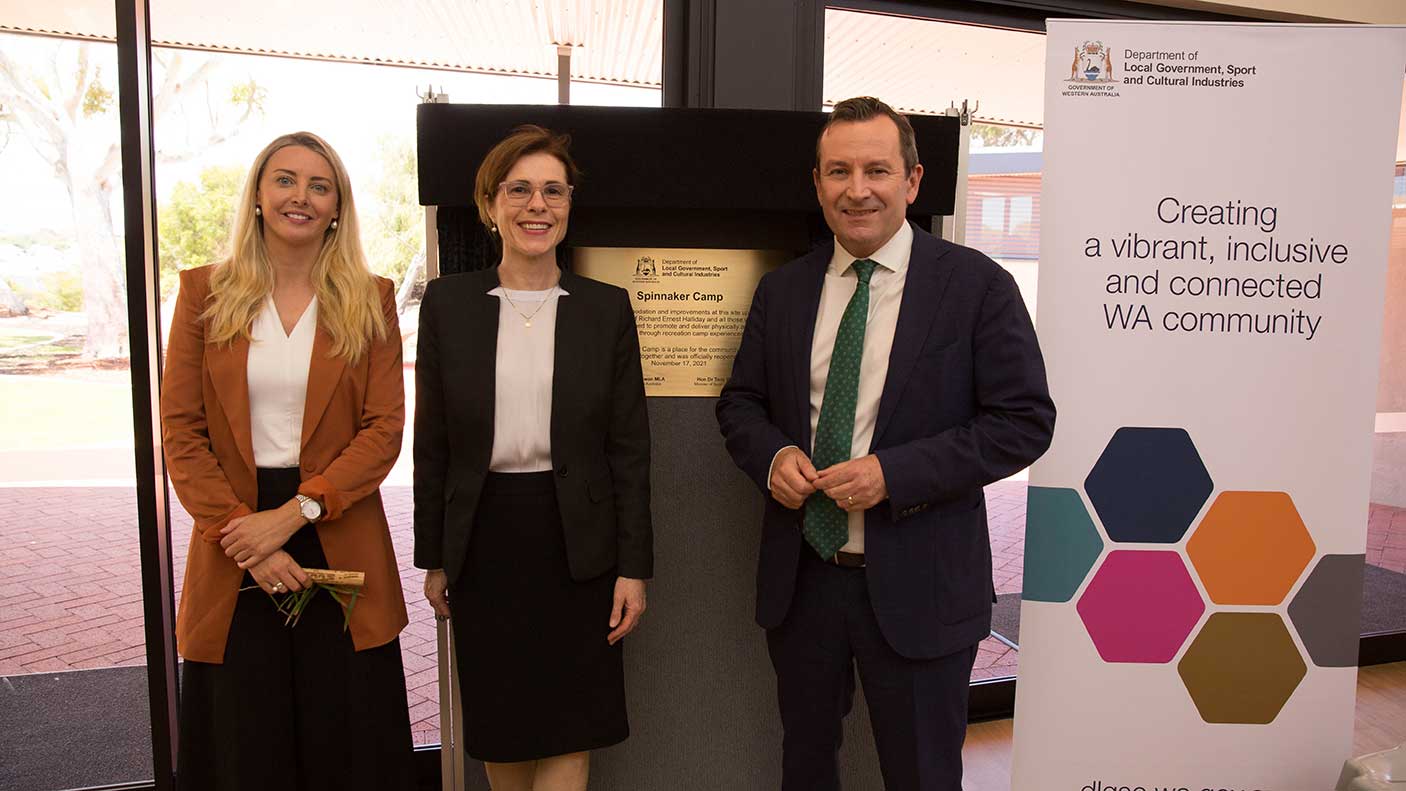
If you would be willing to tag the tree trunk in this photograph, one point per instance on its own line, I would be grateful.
(10, 302)
(99, 259)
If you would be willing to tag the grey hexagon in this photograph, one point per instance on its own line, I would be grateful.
(1327, 610)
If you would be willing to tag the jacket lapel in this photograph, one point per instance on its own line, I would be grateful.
(228, 365)
(802, 334)
(324, 372)
(480, 323)
(927, 280)
(567, 351)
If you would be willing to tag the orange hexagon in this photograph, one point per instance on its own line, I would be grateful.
(1250, 548)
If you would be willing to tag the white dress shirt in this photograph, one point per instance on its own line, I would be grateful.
(885, 297)
(522, 398)
(278, 384)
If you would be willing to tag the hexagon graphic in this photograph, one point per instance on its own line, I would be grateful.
(1061, 544)
(1327, 610)
(1148, 485)
(1241, 668)
(1250, 548)
(1140, 606)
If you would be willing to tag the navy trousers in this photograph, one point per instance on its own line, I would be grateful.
(918, 708)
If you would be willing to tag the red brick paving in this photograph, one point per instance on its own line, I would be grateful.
(70, 587)
(1386, 537)
(70, 591)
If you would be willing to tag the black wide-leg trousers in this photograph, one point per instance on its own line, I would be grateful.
(294, 707)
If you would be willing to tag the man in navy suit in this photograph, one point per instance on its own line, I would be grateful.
(882, 381)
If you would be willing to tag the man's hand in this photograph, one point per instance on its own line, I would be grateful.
(792, 477)
(854, 485)
(437, 593)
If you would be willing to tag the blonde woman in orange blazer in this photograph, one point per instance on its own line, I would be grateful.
(292, 321)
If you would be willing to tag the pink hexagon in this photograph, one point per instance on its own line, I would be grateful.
(1140, 606)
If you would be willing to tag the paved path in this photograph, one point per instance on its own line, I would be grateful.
(70, 589)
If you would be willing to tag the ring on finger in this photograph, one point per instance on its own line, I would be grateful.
(278, 587)
(849, 500)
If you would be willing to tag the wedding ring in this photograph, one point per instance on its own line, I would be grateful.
(849, 500)
(278, 587)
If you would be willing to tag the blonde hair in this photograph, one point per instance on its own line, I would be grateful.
(348, 301)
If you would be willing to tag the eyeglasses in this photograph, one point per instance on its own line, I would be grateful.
(519, 193)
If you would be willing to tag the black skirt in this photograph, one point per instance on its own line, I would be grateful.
(536, 676)
(294, 707)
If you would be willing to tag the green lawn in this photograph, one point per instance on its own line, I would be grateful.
(79, 410)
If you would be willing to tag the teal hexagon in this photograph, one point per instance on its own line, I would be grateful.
(1061, 544)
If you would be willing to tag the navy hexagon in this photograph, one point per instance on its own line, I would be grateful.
(1148, 485)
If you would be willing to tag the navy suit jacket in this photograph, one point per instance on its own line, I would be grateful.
(964, 403)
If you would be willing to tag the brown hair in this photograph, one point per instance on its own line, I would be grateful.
(864, 108)
(523, 140)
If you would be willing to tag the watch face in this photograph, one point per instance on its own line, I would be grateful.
(311, 509)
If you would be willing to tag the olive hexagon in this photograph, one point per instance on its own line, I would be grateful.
(1140, 606)
(1148, 485)
(1250, 548)
(1241, 668)
(1061, 544)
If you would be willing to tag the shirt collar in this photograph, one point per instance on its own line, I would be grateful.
(557, 290)
(893, 256)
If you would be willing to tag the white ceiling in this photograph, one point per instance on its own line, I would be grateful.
(621, 41)
(922, 66)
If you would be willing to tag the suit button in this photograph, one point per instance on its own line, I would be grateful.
(562, 471)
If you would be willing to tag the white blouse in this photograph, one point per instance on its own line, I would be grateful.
(278, 384)
(522, 399)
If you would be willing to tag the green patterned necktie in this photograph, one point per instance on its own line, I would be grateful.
(826, 524)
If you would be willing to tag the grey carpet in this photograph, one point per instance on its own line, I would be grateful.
(1383, 600)
(74, 729)
(1005, 617)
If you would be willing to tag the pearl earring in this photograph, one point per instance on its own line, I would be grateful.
(258, 212)
(334, 223)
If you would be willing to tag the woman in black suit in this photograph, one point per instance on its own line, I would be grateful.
(532, 480)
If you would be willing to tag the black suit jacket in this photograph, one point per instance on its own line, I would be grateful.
(599, 431)
(964, 403)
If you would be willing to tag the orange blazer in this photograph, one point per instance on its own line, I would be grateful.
(352, 424)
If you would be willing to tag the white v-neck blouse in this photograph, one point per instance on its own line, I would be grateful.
(522, 401)
(278, 384)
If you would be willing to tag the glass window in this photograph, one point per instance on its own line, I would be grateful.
(993, 214)
(72, 645)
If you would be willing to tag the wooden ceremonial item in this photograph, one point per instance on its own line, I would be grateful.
(341, 579)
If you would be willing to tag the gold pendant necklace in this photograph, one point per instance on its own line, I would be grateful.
(526, 317)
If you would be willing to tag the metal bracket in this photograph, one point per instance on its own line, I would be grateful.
(430, 97)
(963, 114)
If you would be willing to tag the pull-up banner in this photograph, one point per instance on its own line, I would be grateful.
(1216, 214)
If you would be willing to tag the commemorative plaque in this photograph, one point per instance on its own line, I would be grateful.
(690, 305)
